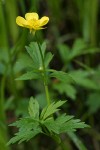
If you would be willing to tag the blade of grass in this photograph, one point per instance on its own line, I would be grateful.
(78, 143)
(10, 15)
(90, 21)
(3, 31)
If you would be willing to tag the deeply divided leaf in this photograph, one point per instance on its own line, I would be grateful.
(62, 76)
(52, 108)
(29, 76)
(28, 128)
(34, 53)
(33, 108)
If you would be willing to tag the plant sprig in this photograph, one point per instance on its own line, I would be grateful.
(37, 121)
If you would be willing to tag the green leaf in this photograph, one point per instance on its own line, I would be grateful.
(72, 125)
(51, 125)
(29, 76)
(63, 124)
(33, 108)
(64, 51)
(63, 118)
(88, 83)
(9, 103)
(82, 78)
(43, 47)
(23, 62)
(48, 58)
(32, 49)
(93, 102)
(78, 47)
(62, 76)
(24, 136)
(55, 125)
(68, 89)
(43, 112)
(91, 50)
(41, 98)
(77, 141)
(24, 123)
(28, 128)
(34, 53)
(52, 108)
(22, 107)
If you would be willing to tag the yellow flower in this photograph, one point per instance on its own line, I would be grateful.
(32, 21)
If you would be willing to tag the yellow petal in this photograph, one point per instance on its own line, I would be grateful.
(21, 21)
(30, 16)
(44, 20)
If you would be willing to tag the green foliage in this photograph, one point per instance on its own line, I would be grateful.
(33, 112)
(34, 64)
(73, 31)
(64, 51)
(52, 108)
(93, 102)
(83, 78)
(67, 81)
(67, 89)
(72, 125)
(48, 58)
(32, 125)
(29, 76)
(77, 141)
(62, 76)
(80, 47)
(34, 53)
(28, 128)
(22, 107)
(41, 98)
(23, 62)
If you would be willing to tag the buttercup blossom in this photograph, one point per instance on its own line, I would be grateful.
(32, 21)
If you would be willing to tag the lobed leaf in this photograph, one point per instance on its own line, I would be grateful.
(28, 128)
(72, 125)
(62, 76)
(48, 58)
(52, 108)
(33, 108)
(64, 51)
(34, 53)
(25, 135)
(29, 76)
(82, 78)
(68, 89)
(93, 102)
(55, 125)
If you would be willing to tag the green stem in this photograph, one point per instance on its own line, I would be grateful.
(56, 138)
(2, 113)
(63, 146)
(44, 73)
(13, 86)
(59, 141)
(3, 126)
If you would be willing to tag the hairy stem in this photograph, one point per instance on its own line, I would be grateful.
(56, 138)
(44, 72)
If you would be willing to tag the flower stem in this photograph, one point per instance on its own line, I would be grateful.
(44, 73)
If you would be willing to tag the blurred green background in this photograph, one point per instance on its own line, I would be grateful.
(73, 36)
